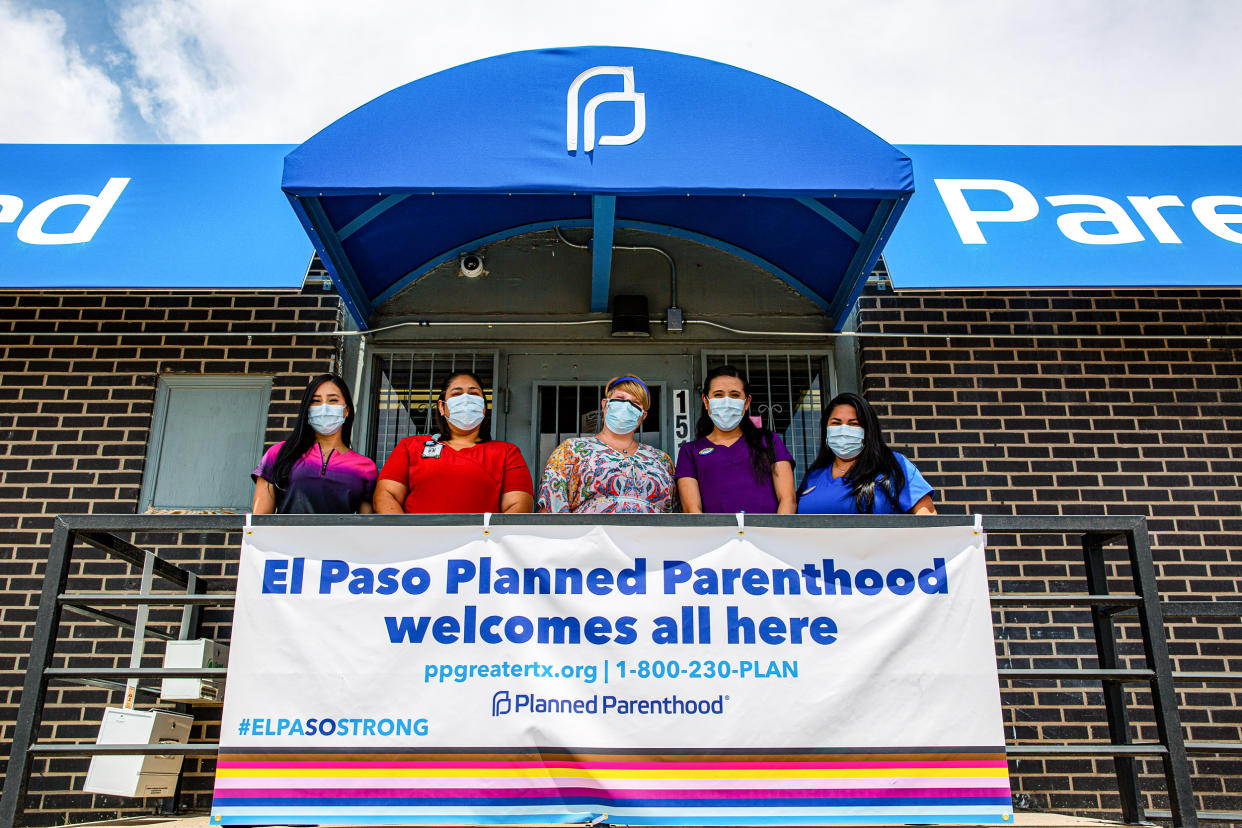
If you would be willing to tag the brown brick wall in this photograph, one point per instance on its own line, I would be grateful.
(1082, 403)
(1053, 421)
(78, 374)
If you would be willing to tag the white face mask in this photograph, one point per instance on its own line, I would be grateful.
(465, 410)
(326, 419)
(845, 441)
(726, 412)
(622, 416)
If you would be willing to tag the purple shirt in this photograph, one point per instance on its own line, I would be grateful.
(338, 486)
(726, 477)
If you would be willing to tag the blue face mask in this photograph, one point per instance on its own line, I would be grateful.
(326, 419)
(845, 441)
(726, 412)
(465, 410)
(622, 416)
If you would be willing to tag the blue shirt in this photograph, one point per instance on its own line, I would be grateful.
(822, 494)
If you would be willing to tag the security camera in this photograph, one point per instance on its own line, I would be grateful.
(470, 265)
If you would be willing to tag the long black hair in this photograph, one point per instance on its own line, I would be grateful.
(442, 423)
(302, 437)
(758, 439)
(876, 464)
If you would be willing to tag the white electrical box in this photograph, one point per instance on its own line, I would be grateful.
(143, 775)
(199, 652)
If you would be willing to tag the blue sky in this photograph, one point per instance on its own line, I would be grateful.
(914, 71)
(90, 28)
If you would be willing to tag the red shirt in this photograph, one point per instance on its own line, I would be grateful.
(455, 482)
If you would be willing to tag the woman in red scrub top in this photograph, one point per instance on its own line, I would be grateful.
(460, 469)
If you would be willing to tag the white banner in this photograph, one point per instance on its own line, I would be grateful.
(658, 675)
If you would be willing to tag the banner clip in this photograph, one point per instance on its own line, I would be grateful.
(741, 523)
(247, 524)
(597, 821)
(487, 523)
(978, 524)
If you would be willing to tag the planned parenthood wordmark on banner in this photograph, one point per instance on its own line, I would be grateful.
(655, 674)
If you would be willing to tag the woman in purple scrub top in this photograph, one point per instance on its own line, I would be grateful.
(314, 471)
(734, 465)
(856, 472)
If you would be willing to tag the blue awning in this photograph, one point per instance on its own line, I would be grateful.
(600, 137)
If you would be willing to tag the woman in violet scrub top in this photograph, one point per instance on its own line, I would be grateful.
(460, 469)
(314, 471)
(734, 465)
(856, 472)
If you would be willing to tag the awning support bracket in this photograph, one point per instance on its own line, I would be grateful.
(603, 216)
(334, 259)
(863, 261)
(370, 214)
(828, 214)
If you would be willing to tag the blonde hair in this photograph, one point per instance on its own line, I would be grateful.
(632, 385)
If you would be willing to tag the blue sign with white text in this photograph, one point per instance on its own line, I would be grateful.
(214, 216)
(1070, 216)
(172, 216)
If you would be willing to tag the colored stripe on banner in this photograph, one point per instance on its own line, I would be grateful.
(638, 787)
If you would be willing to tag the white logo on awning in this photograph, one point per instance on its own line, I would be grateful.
(31, 230)
(588, 115)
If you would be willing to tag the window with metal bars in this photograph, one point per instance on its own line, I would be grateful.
(407, 386)
(788, 392)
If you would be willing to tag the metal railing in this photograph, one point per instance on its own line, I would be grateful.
(1096, 534)
(1222, 611)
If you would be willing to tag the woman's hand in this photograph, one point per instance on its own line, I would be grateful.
(783, 485)
(517, 501)
(264, 498)
(691, 496)
(389, 497)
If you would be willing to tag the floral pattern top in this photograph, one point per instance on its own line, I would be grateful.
(586, 476)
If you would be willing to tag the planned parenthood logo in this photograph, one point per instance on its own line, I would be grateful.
(505, 703)
(588, 114)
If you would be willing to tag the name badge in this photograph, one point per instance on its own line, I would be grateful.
(432, 449)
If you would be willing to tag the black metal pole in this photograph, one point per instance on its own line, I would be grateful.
(1114, 692)
(43, 643)
(191, 617)
(1168, 722)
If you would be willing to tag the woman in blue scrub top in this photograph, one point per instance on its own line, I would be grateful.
(856, 472)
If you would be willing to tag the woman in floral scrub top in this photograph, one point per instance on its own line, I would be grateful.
(612, 471)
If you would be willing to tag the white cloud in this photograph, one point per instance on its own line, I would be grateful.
(237, 71)
(1059, 71)
(951, 71)
(48, 92)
